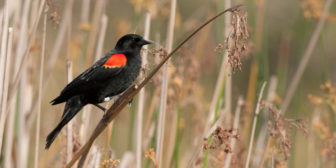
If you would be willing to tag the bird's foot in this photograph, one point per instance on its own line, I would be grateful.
(130, 103)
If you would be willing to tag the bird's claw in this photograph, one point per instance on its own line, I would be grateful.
(130, 103)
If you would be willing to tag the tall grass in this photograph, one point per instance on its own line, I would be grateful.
(196, 88)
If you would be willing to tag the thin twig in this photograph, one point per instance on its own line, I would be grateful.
(129, 94)
(254, 126)
(40, 88)
(306, 57)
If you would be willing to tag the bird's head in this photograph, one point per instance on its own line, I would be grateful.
(131, 42)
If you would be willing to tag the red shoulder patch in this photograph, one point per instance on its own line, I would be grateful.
(116, 60)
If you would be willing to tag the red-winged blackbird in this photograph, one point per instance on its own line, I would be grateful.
(107, 78)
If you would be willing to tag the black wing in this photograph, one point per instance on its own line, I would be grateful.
(88, 79)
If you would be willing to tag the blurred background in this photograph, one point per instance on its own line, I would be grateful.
(284, 40)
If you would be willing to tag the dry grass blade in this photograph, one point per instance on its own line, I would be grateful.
(40, 88)
(254, 126)
(128, 95)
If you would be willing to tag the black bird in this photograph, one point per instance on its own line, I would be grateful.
(107, 78)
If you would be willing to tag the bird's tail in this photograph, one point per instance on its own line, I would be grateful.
(72, 107)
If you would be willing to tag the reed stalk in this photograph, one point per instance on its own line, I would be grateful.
(228, 82)
(5, 87)
(11, 116)
(3, 55)
(164, 87)
(69, 144)
(254, 127)
(141, 98)
(40, 88)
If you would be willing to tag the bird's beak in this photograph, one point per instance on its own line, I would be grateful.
(143, 42)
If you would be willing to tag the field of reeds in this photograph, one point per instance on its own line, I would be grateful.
(255, 87)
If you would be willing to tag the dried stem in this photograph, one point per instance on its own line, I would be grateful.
(129, 94)
(141, 103)
(254, 126)
(228, 82)
(5, 87)
(3, 55)
(40, 88)
(11, 116)
(70, 125)
(164, 87)
(306, 57)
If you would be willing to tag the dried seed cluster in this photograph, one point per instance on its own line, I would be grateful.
(222, 137)
(281, 127)
(151, 155)
(54, 16)
(239, 36)
(109, 163)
